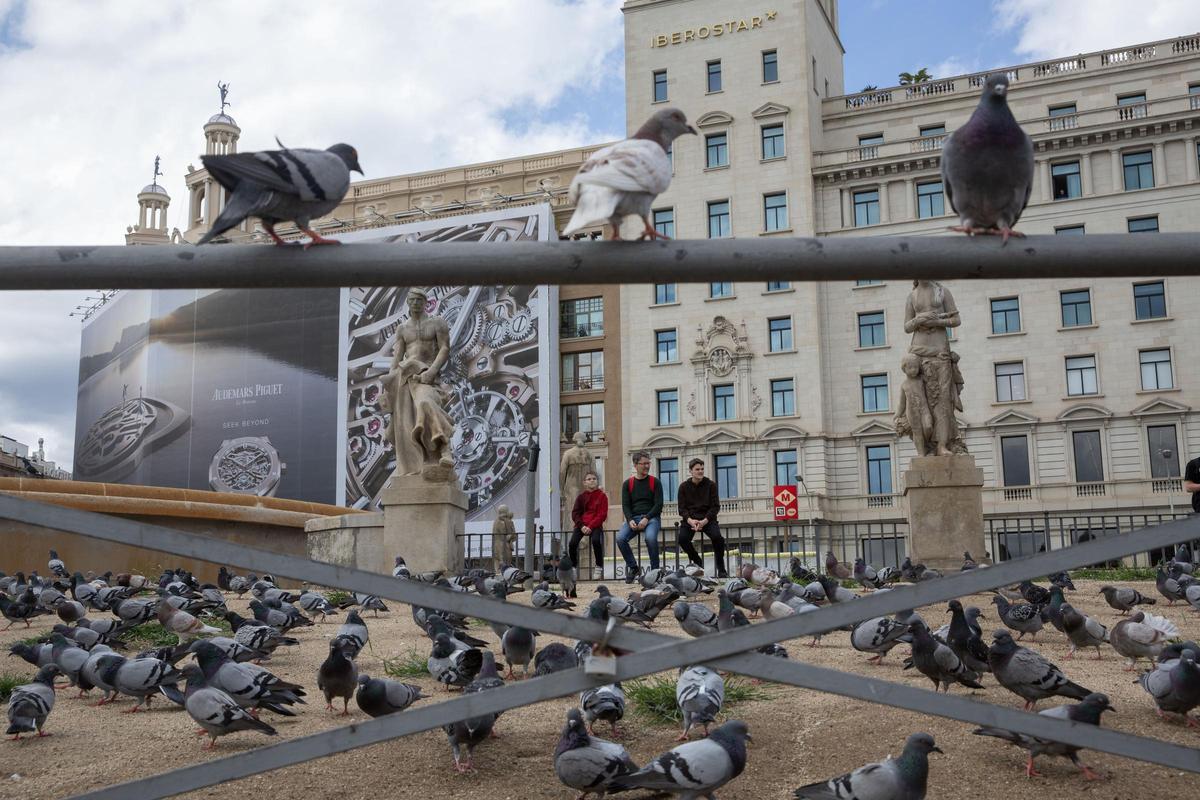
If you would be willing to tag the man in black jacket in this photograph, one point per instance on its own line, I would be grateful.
(698, 507)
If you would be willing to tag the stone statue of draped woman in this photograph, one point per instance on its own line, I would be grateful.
(928, 313)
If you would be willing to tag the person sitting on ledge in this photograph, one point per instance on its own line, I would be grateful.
(698, 507)
(642, 503)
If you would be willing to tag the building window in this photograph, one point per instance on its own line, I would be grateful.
(1081, 376)
(1014, 460)
(868, 146)
(1156, 370)
(1132, 106)
(1149, 300)
(664, 222)
(1070, 230)
(871, 330)
(723, 402)
(585, 418)
(778, 286)
(1006, 315)
(1010, 382)
(783, 397)
(772, 141)
(1064, 181)
(714, 76)
(666, 345)
(1076, 307)
(780, 330)
(1089, 461)
(582, 317)
(1164, 452)
(785, 468)
(933, 130)
(866, 208)
(931, 202)
(874, 393)
(770, 66)
(718, 289)
(1139, 170)
(727, 478)
(716, 146)
(1063, 117)
(868, 283)
(668, 473)
(668, 406)
(879, 469)
(718, 219)
(775, 212)
(583, 371)
(664, 293)
(660, 86)
(1143, 225)
(932, 137)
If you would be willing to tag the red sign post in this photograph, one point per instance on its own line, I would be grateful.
(787, 504)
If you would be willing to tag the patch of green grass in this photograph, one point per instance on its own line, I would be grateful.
(654, 698)
(149, 635)
(32, 641)
(337, 596)
(1115, 574)
(10, 681)
(410, 664)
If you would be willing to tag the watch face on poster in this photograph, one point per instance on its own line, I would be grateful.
(246, 465)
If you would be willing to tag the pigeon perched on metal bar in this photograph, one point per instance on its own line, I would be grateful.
(1028, 674)
(901, 778)
(987, 166)
(588, 763)
(623, 179)
(694, 769)
(282, 185)
(1087, 712)
(31, 703)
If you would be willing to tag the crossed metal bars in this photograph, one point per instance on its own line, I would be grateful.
(651, 652)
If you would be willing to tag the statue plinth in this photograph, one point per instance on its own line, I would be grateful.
(945, 510)
(422, 521)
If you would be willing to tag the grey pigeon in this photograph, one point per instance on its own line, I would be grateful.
(518, 646)
(56, 565)
(249, 685)
(1053, 611)
(699, 693)
(966, 641)
(451, 666)
(1087, 712)
(96, 672)
(1175, 686)
(652, 602)
(315, 604)
(379, 696)
(728, 617)
(554, 657)
(1141, 635)
(1123, 598)
(468, 733)
(968, 562)
(833, 568)
(1082, 630)
(987, 165)
(141, 678)
(901, 778)
(878, 636)
(1021, 617)
(232, 649)
(605, 703)
(68, 657)
(834, 591)
(624, 179)
(542, 597)
(567, 575)
(586, 763)
(1027, 674)
(1169, 587)
(694, 769)
(695, 619)
(620, 609)
(1038, 595)
(214, 711)
(687, 585)
(866, 575)
(281, 186)
(354, 632)
(38, 655)
(338, 676)
(257, 636)
(938, 662)
(30, 703)
(368, 602)
(652, 578)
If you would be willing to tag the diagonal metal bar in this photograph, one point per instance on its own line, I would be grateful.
(564, 262)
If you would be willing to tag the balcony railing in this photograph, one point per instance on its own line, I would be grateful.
(588, 436)
(579, 329)
(582, 383)
(1133, 111)
(1018, 493)
(928, 144)
(1089, 490)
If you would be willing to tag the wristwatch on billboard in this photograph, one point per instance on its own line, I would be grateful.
(246, 465)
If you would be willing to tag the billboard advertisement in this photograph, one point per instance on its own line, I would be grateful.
(230, 390)
(497, 380)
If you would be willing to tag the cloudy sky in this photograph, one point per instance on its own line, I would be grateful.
(92, 90)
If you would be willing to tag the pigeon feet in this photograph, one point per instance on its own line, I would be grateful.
(317, 239)
(1090, 774)
(651, 234)
(683, 737)
(42, 734)
(1030, 772)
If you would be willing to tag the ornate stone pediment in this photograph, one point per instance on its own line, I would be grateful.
(784, 431)
(721, 436)
(1012, 417)
(1160, 405)
(662, 440)
(713, 119)
(1084, 411)
(874, 428)
(770, 110)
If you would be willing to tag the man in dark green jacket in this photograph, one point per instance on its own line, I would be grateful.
(642, 502)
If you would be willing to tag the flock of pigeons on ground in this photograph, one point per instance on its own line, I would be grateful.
(225, 688)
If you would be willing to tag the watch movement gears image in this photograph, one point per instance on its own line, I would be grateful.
(246, 465)
(116, 443)
(490, 437)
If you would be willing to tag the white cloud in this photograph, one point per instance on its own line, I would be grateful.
(95, 89)
(1052, 29)
(954, 66)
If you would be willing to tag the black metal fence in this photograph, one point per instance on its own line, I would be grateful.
(1015, 537)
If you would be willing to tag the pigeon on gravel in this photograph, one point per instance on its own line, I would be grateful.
(901, 778)
(257, 636)
(67, 656)
(938, 662)
(518, 645)
(232, 649)
(1062, 580)
(183, 624)
(1038, 595)
(687, 585)
(966, 641)
(968, 562)
(1141, 635)
(30, 703)
(56, 566)
(699, 693)
(22, 609)
(214, 711)
(554, 657)
(379, 696)
(316, 604)
(450, 666)
(467, 734)
(249, 685)
(1175, 686)
(567, 575)
(368, 602)
(834, 591)
(95, 673)
(354, 633)
(1021, 617)
(338, 676)
(728, 617)
(1082, 630)
(867, 575)
(799, 571)
(878, 636)
(1169, 587)
(694, 769)
(695, 619)
(835, 569)
(623, 179)
(652, 602)
(1028, 674)
(606, 703)
(141, 678)
(1086, 712)
(38, 655)
(542, 597)
(587, 763)
(987, 166)
(619, 608)
(281, 186)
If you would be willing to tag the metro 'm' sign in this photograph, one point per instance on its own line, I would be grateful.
(787, 504)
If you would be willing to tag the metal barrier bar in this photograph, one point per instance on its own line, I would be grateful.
(892, 258)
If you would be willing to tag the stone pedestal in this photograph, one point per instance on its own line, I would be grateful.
(945, 510)
(422, 521)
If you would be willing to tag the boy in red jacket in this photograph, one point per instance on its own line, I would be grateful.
(588, 514)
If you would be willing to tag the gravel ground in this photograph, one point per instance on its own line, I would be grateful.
(799, 736)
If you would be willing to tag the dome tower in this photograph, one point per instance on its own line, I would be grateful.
(153, 201)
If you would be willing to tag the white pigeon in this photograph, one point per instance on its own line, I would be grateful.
(623, 179)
